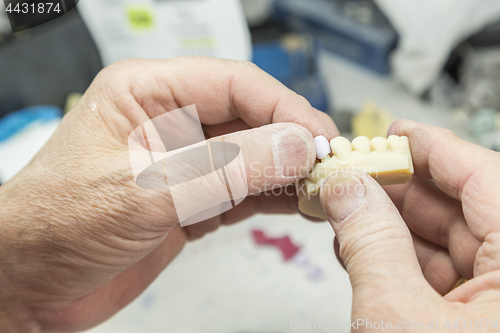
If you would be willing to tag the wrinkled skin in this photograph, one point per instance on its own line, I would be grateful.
(403, 255)
(79, 238)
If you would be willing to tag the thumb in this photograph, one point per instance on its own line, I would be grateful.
(209, 178)
(375, 244)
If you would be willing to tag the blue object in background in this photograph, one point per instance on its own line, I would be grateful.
(295, 68)
(18, 120)
(367, 43)
(273, 59)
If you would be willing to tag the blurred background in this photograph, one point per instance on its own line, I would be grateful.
(364, 62)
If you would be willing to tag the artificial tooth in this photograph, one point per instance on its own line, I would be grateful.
(398, 144)
(341, 147)
(322, 147)
(379, 144)
(362, 145)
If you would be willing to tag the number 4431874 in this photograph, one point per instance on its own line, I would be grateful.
(472, 324)
(32, 8)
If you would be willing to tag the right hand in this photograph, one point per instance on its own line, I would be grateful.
(80, 239)
(399, 271)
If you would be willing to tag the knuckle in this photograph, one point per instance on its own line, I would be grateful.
(116, 68)
(125, 63)
(249, 65)
(302, 100)
(447, 133)
(396, 126)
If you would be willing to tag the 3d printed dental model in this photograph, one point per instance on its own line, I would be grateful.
(387, 160)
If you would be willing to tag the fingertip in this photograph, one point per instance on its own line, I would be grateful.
(341, 194)
(331, 130)
(400, 127)
(297, 109)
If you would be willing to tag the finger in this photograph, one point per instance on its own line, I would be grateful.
(336, 248)
(222, 90)
(239, 125)
(208, 175)
(438, 218)
(279, 201)
(484, 286)
(375, 244)
(198, 230)
(328, 122)
(436, 264)
(274, 156)
(462, 170)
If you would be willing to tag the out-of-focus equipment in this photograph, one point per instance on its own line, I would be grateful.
(372, 121)
(292, 60)
(471, 89)
(17, 121)
(429, 31)
(71, 101)
(163, 29)
(5, 29)
(24, 15)
(355, 29)
(41, 66)
(22, 134)
(257, 11)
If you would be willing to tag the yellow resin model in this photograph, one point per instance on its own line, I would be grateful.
(387, 160)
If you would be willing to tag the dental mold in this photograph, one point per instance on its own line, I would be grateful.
(388, 161)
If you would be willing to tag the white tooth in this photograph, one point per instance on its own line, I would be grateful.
(341, 147)
(379, 144)
(398, 144)
(322, 147)
(362, 145)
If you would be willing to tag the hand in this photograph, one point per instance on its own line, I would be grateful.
(399, 271)
(79, 239)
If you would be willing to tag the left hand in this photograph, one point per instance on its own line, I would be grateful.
(403, 255)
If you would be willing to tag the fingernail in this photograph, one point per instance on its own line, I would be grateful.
(341, 195)
(291, 153)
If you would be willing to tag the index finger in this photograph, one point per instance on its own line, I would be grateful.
(461, 169)
(222, 90)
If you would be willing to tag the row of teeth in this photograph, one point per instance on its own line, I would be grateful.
(342, 148)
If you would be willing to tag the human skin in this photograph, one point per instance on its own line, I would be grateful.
(406, 247)
(79, 239)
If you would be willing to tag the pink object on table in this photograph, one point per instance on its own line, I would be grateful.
(284, 244)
